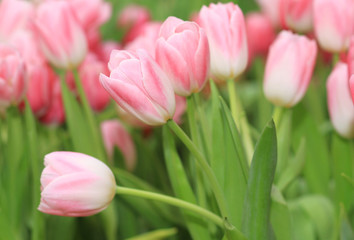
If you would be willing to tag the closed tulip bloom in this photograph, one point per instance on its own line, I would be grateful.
(225, 28)
(14, 15)
(289, 68)
(351, 86)
(182, 51)
(75, 185)
(60, 35)
(333, 23)
(350, 58)
(13, 76)
(115, 135)
(340, 104)
(139, 86)
(297, 15)
(258, 27)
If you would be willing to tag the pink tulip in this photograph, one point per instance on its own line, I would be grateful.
(139, 86)
(55, 114)
(13, 76)
(289, 68)
(132, 18)
(131, 119)
(271, 9)
(14, 15)
(340, 104)
(351, 86)
(148, 35)
(259, 27)
(60, 34)
(350, 58)
(225, 27)
(296, 14)
(115, 135)
(75, 185)
(183, 53)
(333, 23)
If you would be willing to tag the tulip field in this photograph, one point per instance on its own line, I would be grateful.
(176, 120)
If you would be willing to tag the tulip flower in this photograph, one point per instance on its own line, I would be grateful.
(139, 86)
(333, 23)
(340, 104)
(258, 27)
(14, 15)
(351, 86)
(75, 185)
(13, 76)
(182, 51)
(60, 34)
(271, 9)
(115, 135)
(350, 58)
(225, 28)
(296, 15)
(289, 68)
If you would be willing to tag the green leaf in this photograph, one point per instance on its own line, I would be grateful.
(346, 231)
(342, 157)
(156, 235)
(294, 167)
(197, 227)
(256, 219)
(280, 216)
(303, 228)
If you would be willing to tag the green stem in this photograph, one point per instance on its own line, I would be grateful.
(277, 115)
(203, 164)
(90, 117)
(240, 118)
(172, 201)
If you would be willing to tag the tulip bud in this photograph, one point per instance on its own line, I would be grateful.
(75, 185)
(350, 58)
(225, 28)
(115, 135)
(183, 53)
(333, 23)
(296, 14)
(13, 76)
(60, 35)
(289, 68)
(340, 104)
(139, 86)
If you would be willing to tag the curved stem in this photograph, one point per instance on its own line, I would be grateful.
(172, 201)
(277, 115)
(240, 118)
(203, 164)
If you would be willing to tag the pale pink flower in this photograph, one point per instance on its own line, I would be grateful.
(115, 135)
(75, 185)
(297, 15)
(225, 28)
(271, 9)
(333, 23)
(289, 67)
(351, 86)
(182, 51)
(340, 104)
(139, 86)
(13, 76)
(60, 34)
(350, 58)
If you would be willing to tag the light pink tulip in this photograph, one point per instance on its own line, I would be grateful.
(271, 9)
(89, 72)
(225, 27)
(14, 15)
(182, 51)
(297, 15)
(340, 104)
(258, 27)
(139, 86)
(132, 18)
(351, 86)
(333, 23)
(115, 135)
(289, 67)
(60, 34)
(55, 114)
(131, 119)
(75, 185)
(13, 76)
(148, 35)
